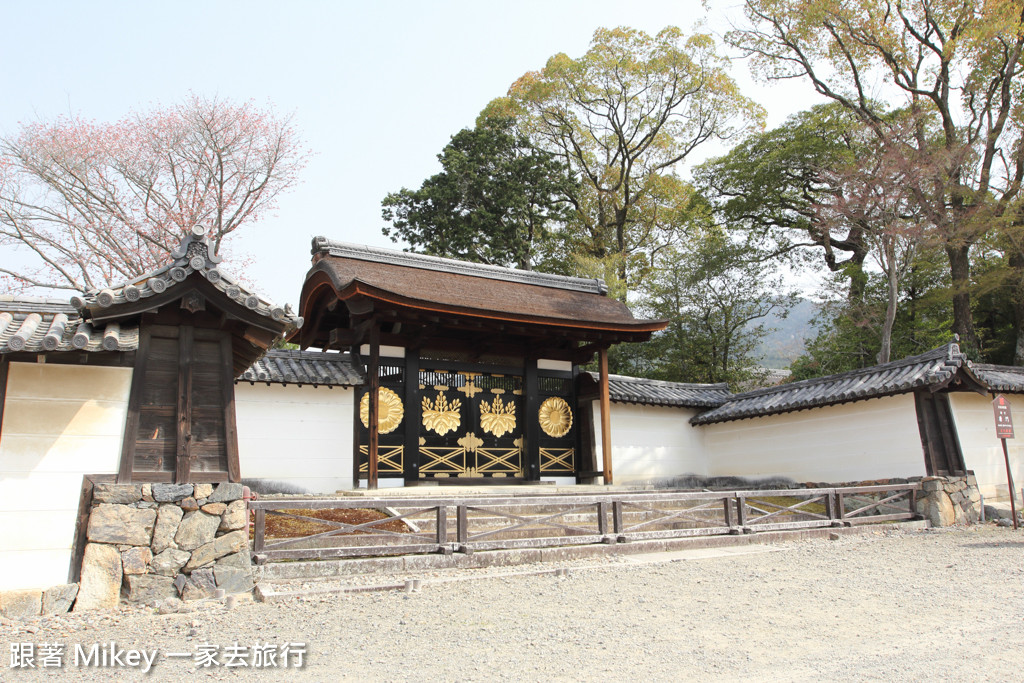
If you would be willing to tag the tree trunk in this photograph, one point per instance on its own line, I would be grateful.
(960, 274)
(885, 352)
(620, 243)
(1017, 267)
(1018, 323)
(858, 278)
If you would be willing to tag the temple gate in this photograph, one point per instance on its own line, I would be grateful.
(473, 371)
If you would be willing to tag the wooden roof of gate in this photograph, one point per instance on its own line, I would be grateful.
(435, 288)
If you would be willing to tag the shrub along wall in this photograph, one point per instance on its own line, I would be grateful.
(149, 542)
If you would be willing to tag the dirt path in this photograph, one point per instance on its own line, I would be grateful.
(945, 605)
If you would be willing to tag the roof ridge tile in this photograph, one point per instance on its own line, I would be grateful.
(323, 245)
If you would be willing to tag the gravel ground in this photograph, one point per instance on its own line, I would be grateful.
(893, 605)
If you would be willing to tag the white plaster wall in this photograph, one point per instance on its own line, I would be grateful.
(651, 442)
(873, 439)
(983, 453)
(60, 422)
(300, 435)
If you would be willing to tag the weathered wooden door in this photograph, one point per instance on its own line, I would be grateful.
(181, 424)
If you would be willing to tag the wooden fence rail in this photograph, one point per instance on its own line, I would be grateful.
(534, 521)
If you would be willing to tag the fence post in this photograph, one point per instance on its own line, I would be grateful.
(741, 511)
(727, 508)
(840, 506)
(259, 531)
(830, 505)
(442, 524)
(913, 502)
(617, 516)
(461, 525)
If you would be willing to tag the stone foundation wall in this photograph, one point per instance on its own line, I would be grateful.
(153, 542)
(945, 501)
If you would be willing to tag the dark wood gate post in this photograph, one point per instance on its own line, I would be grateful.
(374, 372)
(183, 459)
(606, 418)
(531, 432)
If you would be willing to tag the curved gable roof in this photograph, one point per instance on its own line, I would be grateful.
(192, 256)
(439, 285)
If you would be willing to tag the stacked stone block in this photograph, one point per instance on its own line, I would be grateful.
(150, 542)
(945, 501)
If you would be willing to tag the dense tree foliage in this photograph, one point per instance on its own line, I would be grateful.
(716, 298)
(495, 200)
(848, 331)
(767, 189)
(953, 65)
(622, 118)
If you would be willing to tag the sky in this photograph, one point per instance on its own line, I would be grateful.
(376, 89)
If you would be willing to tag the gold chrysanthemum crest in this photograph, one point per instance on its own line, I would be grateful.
(555, 417)
(440, 416)
(389, 410)
(497, 417)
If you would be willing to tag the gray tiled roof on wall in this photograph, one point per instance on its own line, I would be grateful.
(654, 392)
(934, 367)
(45, 325)
(281, 366)
(1008, 378)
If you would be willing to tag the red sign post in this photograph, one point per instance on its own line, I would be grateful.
(1004, 430)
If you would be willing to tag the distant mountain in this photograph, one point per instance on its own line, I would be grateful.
(786, 343)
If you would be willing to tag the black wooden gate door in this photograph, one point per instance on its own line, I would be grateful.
(471, 425)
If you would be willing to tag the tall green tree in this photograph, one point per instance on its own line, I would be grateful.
(769, 186)
(716, 297)
(494, 201)
(622, 117)
(875, 195)
(954, 65)
(848, 332)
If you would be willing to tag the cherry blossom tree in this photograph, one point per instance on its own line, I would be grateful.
(94, 203)
(884, 194)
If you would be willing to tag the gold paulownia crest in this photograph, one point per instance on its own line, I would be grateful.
(441, 416)
(471, 442)
(470, 389)
(497, 417)
(555, 417)
(389, 410)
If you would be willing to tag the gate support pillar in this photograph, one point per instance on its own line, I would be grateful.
(374, 372)
(606, 419)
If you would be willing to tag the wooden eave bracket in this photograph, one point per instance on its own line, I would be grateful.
(962, 380)
(259, 337)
